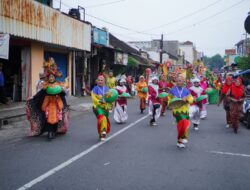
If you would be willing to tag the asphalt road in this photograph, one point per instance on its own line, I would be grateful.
(137, 156)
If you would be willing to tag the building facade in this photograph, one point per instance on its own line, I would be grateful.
(190, 52)
(38, 32)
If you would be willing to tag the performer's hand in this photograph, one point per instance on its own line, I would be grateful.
(241, 100)
(102, 101)
(184, 99)
(233, 100)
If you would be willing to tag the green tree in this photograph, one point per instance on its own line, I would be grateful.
(244, 63)
(214, 62)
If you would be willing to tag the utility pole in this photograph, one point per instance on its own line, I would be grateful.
(161, 48)
(246, 45)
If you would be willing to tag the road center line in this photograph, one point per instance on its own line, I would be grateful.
(76, 157)
(230, 153)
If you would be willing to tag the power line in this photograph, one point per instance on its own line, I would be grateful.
(207, 18)
(122, 27)
(148, 34)
(183, 17)
(113, 24)
(104, 4)
(128, 37)
(92, 6)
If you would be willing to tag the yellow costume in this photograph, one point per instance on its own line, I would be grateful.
(111, 82)
(142, 95)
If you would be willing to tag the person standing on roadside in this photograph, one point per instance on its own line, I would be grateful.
(3, 98)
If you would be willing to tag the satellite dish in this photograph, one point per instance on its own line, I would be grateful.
(247, 24)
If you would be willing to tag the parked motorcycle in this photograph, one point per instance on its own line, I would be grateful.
(246, 112)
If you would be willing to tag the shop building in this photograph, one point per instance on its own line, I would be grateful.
(37, 32)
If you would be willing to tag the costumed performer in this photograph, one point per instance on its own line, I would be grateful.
(164, 86)
(204, 86)
(236, 98)
(196, 107)
(111, 80)
(120, 111)
(141, 88)
(48, 111)
(101, 108)
(154, 101)
(181, 114)
(224, 96)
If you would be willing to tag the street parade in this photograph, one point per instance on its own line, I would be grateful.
(184, 91)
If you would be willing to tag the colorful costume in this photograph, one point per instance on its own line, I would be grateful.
(196, 107)
(142, 95)
(236, 95)
(129, 82)
(48, 110)
(154, 103)
(101, 109)
(120, 111)
(204, 86)
(164, 86)
(111, 82)
(181, 114)
(224, 96)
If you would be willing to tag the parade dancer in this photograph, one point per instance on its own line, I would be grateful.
(154, 101)
(48, 109)
(224, 97)
(196, 107)
(181, 113)
(164, 86)
(111, 80)
(141, 88)
(236, 98)
(101, 108)
(204, 86)
(120, 111)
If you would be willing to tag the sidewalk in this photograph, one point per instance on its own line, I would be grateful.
(15, 111)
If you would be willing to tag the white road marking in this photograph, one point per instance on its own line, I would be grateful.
(76, 157)
(230, 153)
(106, 164)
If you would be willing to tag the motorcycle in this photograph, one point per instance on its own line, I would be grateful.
(246, 112)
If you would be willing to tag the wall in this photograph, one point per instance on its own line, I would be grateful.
(36, 64)
(37, 59)
(189, 52)
(32, 20)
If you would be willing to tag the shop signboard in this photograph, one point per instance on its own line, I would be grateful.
(4, 46)
(121, 58)
(100, 36)
(230, 51)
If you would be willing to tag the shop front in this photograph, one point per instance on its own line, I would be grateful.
(38, 32)
(15, 66)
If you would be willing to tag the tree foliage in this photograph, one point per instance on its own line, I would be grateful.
(215, 62)
(244, 63)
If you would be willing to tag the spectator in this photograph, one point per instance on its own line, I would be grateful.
(3, 98)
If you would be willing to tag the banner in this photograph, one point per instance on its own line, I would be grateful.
(121, 58)
(4, 46)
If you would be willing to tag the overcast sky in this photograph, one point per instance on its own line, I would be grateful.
(213, 25)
